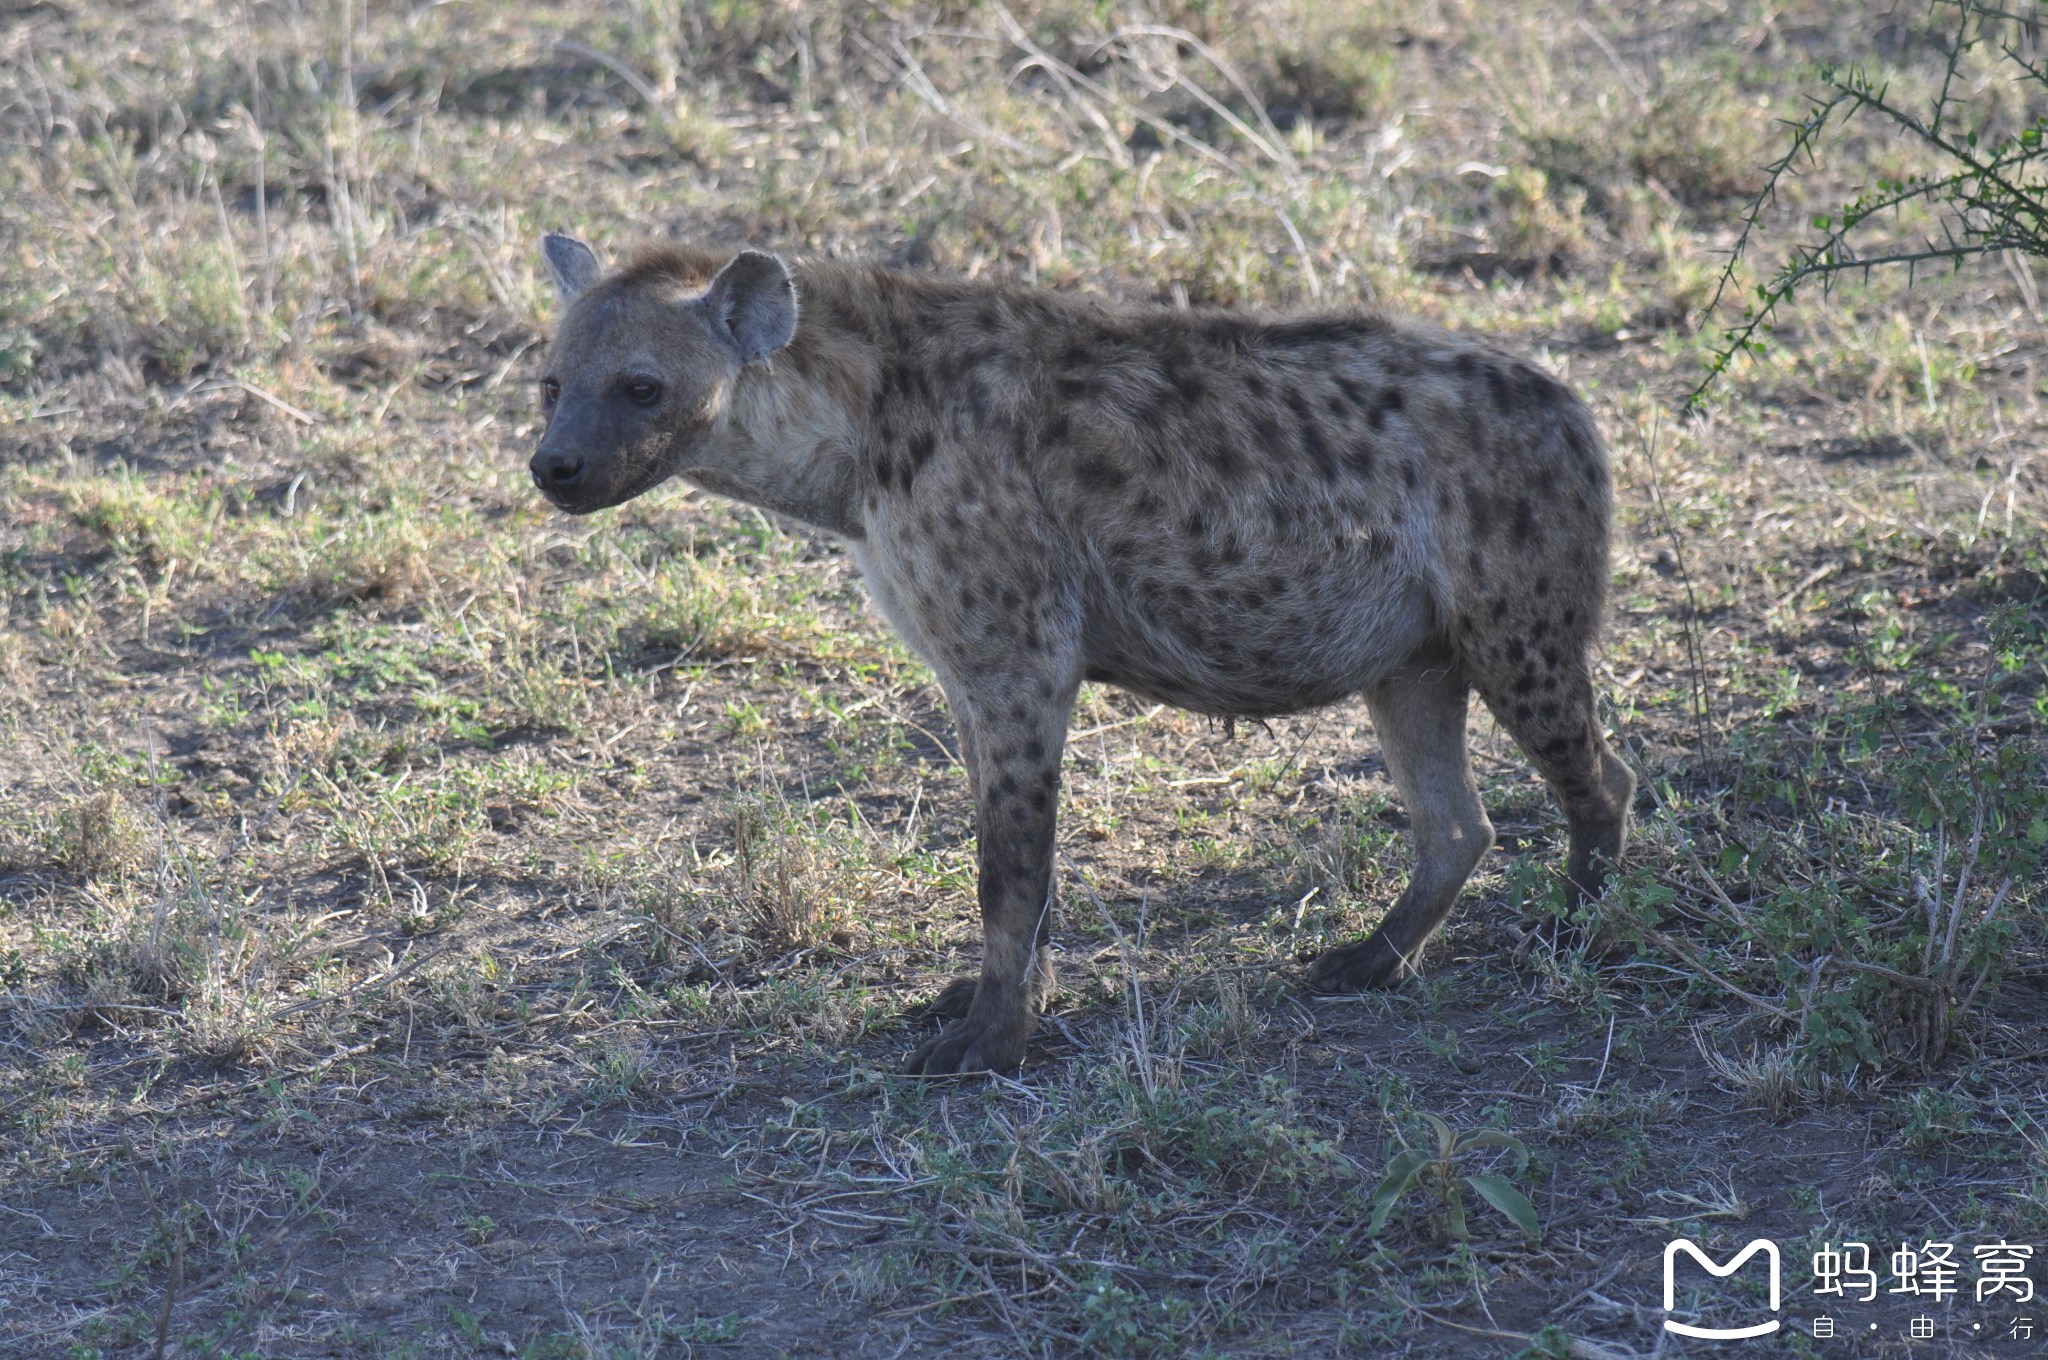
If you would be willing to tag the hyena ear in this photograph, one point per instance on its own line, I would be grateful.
(573, 264)
(753, 300)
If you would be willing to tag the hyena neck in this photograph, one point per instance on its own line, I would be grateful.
(791, 462)
(793, 433)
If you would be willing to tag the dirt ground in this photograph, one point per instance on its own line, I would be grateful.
(432, 927)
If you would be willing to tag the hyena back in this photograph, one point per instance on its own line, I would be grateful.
(1239, 515)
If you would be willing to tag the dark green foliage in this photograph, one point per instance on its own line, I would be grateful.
(1990, 184)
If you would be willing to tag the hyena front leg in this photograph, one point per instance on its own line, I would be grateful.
(958, 997)
(1418, 714)
(1014, 721)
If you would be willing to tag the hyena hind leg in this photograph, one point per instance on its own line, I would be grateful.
(1560, 732)
(1418, 714)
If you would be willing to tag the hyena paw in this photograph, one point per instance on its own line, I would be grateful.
(1367, 964)
(956, 1000)
(969, 1046)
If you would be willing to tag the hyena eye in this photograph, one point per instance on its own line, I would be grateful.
(550, 392)
(643, 391)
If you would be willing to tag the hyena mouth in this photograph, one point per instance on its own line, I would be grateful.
(589, 494)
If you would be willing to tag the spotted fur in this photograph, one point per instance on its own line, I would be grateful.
(1237, 514)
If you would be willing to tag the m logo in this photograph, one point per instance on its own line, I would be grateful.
(1671, 1250)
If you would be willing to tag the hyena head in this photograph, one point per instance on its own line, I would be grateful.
(639, 376)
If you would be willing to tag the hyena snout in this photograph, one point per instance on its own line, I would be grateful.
(558, 471)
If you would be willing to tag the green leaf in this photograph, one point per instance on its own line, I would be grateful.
(1446, 1136)
(1402, 1169)
(1496, 1191)
(1494, 1138)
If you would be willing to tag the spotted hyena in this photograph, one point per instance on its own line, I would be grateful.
(1236, 514)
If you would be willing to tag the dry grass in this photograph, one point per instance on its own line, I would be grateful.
(430, 926)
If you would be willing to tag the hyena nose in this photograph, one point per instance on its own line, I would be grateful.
(556, 471)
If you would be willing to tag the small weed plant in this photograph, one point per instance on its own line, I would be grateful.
(1433, 1171)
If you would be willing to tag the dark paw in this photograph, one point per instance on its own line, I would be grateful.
(968, 1046)
(956, 1000)
(1368, 964)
